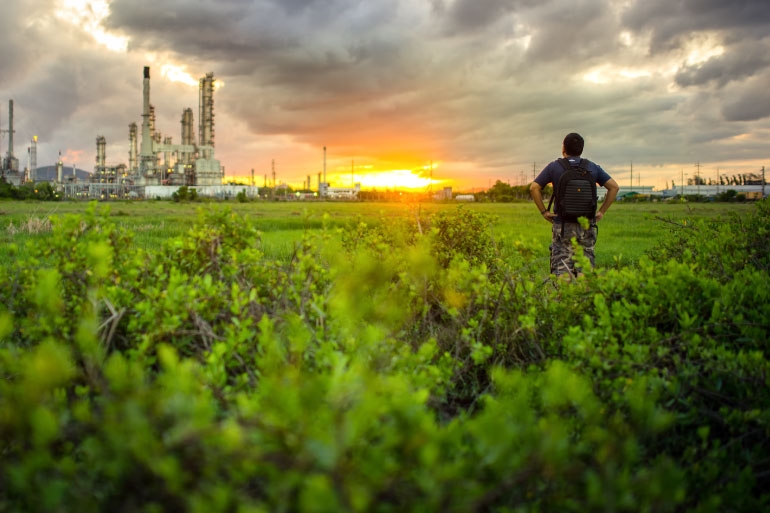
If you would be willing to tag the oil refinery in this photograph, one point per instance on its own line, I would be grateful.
(156, 166)
(9, 164)
(155, 162)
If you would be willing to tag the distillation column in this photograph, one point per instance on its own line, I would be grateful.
(33, 159)
(208, 170)
(132, 148)
(188, 136)
(101, 154)
(206, 114)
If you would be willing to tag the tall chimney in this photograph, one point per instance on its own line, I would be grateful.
(10, 131)
(146, 149)
(60, 170)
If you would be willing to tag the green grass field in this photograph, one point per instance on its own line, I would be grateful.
(625, 235)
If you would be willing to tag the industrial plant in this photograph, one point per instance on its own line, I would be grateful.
(9, 164)
(156, 166)
(156, 162)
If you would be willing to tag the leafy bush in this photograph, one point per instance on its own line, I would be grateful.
(184, 194)
(425, 369)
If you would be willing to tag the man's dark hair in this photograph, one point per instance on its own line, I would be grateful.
(573, 144)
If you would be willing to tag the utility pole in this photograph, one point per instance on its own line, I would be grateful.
(697, 176)
(632, 175)
(763, 181)
(430, 183)
(273, 173)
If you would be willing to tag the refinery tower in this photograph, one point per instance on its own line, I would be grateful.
(155, 160)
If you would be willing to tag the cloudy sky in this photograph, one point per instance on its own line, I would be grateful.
(483, 89)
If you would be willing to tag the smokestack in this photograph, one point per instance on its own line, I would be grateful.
(324, 164)
(10, 131)
(60, 170)
(146, 149)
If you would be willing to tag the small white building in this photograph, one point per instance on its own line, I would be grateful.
(348, 193)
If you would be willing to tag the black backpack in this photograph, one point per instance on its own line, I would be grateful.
(575, 192)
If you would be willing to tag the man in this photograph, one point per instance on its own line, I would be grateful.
(563, 231)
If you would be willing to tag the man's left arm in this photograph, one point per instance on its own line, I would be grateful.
(612, 192)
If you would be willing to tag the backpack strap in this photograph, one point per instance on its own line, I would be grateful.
(567, 165)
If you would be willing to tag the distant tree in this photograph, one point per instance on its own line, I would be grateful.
(45, 191)
(184, 194)
(501, 192)
(6, 189)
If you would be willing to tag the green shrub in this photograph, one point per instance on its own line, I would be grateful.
(424, 369)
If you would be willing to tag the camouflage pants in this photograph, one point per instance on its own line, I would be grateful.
(562, 252)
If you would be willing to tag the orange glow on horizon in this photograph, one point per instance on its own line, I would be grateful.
(394, 179)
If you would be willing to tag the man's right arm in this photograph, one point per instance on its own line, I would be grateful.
(537, 196)
(612, 192)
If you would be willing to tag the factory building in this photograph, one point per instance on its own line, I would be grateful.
(348, 193)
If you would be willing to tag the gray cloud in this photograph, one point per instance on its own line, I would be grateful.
(473, 15)
(749, 101)
(494, 84)
(670, 22)
(742, 61)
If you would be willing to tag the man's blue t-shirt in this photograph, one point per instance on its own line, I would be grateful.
(553, 171)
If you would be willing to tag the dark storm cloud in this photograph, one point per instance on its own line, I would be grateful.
(18, 27)
(750, 101)
(472, 15)
(571, 33)
(484, 81)
(205, 29)
(309, 53)
(671, 21)
(742, 61)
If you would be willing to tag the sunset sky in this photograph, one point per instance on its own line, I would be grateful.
(481, 90)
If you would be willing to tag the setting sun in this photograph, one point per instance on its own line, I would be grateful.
(396, 179)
